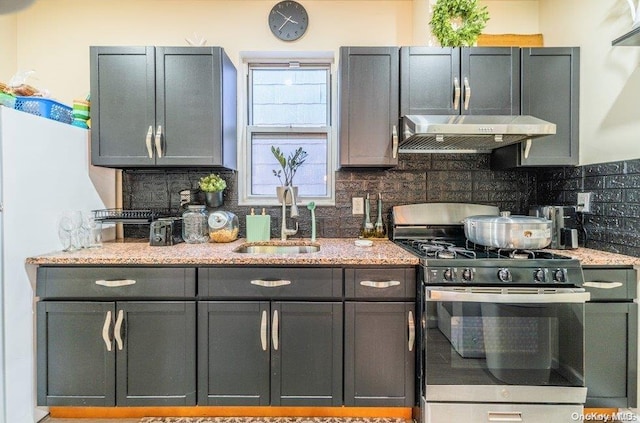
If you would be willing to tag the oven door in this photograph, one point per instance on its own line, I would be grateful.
(497, 344)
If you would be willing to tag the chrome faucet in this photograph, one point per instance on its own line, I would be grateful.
(284, 231)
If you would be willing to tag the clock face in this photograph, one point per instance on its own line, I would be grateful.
(288, 20)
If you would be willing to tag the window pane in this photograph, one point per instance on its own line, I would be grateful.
(311, 177)
(284, 97)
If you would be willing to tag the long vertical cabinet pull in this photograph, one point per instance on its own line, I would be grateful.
(412, 330)
(456, 93)
(148, 142)
(117, 329)
(105, 330)
(394, 146)
(263, 330)
(159, 141)
(467, 93)
(275, 331)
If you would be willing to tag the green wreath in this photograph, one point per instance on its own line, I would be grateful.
(473, 17)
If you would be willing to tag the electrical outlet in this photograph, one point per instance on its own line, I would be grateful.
(357, 205)
(584, 202)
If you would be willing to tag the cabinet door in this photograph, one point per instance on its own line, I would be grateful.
(233, 353)
(306, 366)
(379, 354)
(553, 99)
(76, 360)
(428, 80)
(122, 105)
(490, 81)
(369, 106)
(189, 87)
(156, 361)
(610, 354)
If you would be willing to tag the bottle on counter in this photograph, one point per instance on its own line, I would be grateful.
(379, 231)
(367, 230)
(195, 228)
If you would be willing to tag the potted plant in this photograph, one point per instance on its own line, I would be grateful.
(289, 166)
(212, 185)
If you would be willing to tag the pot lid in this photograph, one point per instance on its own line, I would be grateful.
(506, 217)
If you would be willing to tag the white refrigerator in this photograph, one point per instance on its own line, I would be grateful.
(44, 169)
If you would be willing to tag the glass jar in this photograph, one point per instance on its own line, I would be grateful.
(194, 225)
(223, 226)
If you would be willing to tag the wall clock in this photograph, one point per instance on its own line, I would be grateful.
(288, 20)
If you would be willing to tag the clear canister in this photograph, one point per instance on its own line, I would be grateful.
(194, 225)
(223, 226)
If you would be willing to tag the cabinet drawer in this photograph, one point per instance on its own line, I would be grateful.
(380, 283)
(269, 282)
(116, 282)
(610, 283)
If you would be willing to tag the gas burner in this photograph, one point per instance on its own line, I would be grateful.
(518, 254)
(447, 253)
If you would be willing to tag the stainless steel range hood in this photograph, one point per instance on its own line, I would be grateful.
(469, 133)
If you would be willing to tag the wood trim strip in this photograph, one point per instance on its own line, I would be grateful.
(138, 412)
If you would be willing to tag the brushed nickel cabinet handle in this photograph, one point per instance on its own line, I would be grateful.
(379, 284)
(270, 284)
(603, 285)
(115, 283)
(394, 137)
(467, 93)
(527, 148)
(159, 140)
(105, 330)
(275, 330)
(412, 330)
(118, 328)
(263, 330)
(456, 93)
(148, 141)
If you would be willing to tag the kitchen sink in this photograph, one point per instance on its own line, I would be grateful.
(277, 249)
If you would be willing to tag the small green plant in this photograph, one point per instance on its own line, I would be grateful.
(289, 164)
(212, 183)
(458, 23)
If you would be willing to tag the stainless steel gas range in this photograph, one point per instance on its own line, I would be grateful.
(502, 334)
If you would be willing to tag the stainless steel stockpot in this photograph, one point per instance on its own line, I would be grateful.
(509, 232)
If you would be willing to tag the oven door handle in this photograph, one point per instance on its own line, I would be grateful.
(507, 297)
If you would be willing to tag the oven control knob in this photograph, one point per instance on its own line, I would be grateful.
(504, 275)
(560, 275)
(539, 276)
(467, 275)
(448, 275)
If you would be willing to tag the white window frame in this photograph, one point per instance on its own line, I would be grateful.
(244, 140)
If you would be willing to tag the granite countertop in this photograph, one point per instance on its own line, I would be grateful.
(333, 251)
(589, 257)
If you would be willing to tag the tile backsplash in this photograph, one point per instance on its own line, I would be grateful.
(614, 224)
(418, 178)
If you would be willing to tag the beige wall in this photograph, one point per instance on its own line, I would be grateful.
(609, 76)
(8, 46)
(53, 38)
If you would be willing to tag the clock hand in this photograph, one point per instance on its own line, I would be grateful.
(283, 23)
(281, 14)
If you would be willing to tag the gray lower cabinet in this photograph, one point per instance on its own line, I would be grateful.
(380, 337)
(270, 336)
(95, 348)
(162, 107)
(369, 99)
(550, 91)
(611, 328)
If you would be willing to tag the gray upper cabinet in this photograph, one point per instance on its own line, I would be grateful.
(163, 107)
(550, 91)
(369, 96)
(451, 81)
